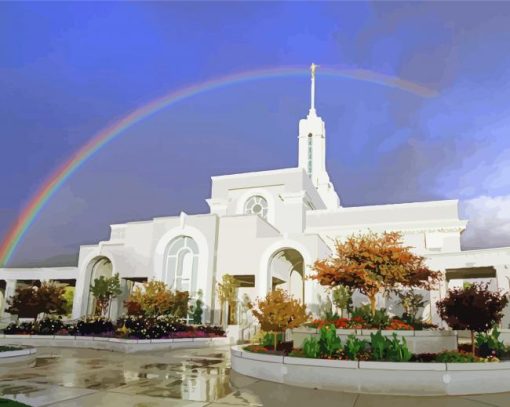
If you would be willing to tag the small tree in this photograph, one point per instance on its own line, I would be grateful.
(373, 264)
(24, 303)
(68, 297)
(29, 302)
(196, 309)
(342, 298)
(227, 294)
(278, 312)
(155, 298)
(180, 301)
(51, 298)
(104, 290)
(411, 302)
(474, 308)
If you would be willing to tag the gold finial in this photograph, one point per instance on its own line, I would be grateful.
(313, 67)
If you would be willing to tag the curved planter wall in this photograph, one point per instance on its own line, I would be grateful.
(417, 341)
(17, 357)
(113, 344)
(412, 379)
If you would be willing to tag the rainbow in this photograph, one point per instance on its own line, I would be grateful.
(27, 217)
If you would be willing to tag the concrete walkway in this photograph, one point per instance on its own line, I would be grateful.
(191, 377)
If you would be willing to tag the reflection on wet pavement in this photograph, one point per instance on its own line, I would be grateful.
(188, 377)
(195, 375)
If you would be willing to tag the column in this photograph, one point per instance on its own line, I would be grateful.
(435, 296)
(503, 281)
(117, 305)
(10, 289)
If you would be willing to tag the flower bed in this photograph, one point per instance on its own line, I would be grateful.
(442, 357)
(379, 346)
(129, 327)
(425, 341)
(358, 322)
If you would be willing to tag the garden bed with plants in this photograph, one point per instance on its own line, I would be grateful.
(379, 346)
(375, 377)
(128, 334)
(128, 327)
(380, 360)
(421, 336)
(154, 312)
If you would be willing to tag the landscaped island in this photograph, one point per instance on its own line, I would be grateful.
(368, 355)
(153, 312)
(374, 264)
(370, 351)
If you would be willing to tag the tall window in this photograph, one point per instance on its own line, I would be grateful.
(181, 264)
(310, 152)
(256, 205)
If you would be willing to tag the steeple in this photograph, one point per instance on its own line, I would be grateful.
(312, 150)
(313, 67)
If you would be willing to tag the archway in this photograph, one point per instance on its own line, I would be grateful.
(286, 271)
(97, 267)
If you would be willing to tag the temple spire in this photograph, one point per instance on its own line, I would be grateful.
(313, 67)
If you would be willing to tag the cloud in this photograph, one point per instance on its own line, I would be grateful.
(489, 221)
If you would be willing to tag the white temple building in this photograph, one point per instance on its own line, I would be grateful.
(267, 228)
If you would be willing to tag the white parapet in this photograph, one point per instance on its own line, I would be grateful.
(113, 344)
(395, 378)
(18, 357)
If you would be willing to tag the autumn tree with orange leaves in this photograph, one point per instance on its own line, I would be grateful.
(278, 312)
(374, 263)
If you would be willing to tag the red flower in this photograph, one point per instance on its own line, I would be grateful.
(342, 323)
(399, 325)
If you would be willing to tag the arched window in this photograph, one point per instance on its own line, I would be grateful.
(181, 264)
(256, 205)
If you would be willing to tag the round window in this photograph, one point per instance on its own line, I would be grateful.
(256, 205)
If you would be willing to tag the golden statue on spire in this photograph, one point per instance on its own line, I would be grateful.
(313, 67)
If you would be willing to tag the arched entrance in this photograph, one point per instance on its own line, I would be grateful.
(286, 271)
(99, 266)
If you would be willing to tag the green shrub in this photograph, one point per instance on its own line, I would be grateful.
(393, 349)
(311, 347)
(268, 339)
(378, 345)
(397, 350)
(379, 320)
(362, 312)
(489, 343)
(354, 346)
(196, 309)
(456, 357)
(329, 342)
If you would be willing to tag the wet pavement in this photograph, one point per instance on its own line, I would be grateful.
(185, 377)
